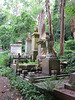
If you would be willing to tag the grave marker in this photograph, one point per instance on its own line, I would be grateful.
(28, 45)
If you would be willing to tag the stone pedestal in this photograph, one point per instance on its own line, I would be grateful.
(49, 64)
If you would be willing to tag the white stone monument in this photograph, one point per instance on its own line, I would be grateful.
(16, 48)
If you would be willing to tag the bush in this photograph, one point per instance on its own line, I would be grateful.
(4, 60)
(70, 45)
(5, 70)
(71, 63)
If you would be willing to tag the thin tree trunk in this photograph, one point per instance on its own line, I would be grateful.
(49, 17)
(73, 27)
(62, 28)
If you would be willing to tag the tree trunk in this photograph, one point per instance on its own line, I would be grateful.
(51, 49)
(73, 27)
(49, 17)
(62, 28)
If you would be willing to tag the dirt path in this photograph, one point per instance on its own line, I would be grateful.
(6, 93)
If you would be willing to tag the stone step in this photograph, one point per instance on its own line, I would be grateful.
(64, 94)
(40, 77)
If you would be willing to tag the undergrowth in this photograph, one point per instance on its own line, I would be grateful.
(27, 89)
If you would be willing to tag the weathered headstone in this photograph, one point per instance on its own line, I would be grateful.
(35, 37)
(28, 46)
(16, 48)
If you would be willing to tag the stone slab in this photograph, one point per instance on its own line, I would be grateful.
(64, 94)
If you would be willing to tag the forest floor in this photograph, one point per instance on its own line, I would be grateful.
(6, 93)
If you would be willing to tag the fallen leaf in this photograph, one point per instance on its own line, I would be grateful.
(3, 91)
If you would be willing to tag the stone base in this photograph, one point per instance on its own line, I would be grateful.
(49, 64)
(64, 94)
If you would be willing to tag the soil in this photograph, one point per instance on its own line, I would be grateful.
(6, 93)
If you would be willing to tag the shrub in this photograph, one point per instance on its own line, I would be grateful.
(70, 45)
(4, 60)
(71, 63)
(5, 70)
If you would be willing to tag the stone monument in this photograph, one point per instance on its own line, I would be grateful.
(42, 38)
(16, 48)
(50, 64)
(28, 45)
(35, 37)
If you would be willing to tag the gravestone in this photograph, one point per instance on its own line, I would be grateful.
(28, 46)
(35, 37)
(16, 48)
(50, 63)
(42, 37)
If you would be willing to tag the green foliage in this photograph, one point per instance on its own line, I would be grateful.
(51, 83)
(3, 16)
(56, 20)
(70, 45)
(57, 47)
(4, 60)
(69, 15)
(27, 89)
(29, 63)
(71, 63)
(5, 70)
(70, 9)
